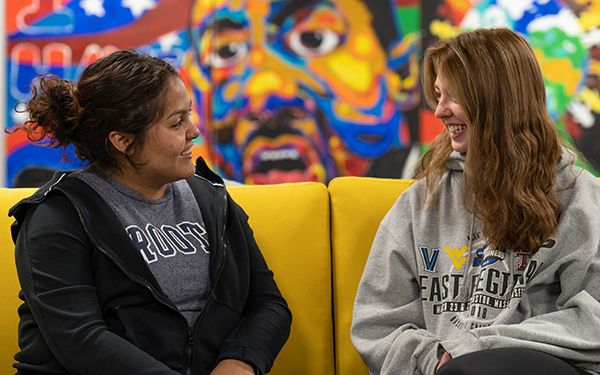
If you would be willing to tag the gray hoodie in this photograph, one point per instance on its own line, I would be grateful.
(432, 283)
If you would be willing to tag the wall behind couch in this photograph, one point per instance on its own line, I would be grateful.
(297, 90)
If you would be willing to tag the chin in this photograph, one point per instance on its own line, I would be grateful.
(462, 148)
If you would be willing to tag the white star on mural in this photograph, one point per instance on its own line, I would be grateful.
(167, 41)
(138, 7)
(93, 7)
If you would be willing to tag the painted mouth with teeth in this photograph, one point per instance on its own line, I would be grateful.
(286, 158)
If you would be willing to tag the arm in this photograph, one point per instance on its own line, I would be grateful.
(265, 324)
(388, 322)
(54, 263)
(559, 312)
(565, 324)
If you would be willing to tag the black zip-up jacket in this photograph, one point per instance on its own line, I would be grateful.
(92, 306)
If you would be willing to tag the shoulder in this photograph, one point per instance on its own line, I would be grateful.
(576, 185)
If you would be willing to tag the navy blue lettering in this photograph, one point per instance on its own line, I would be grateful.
(142, 243)
(161, 242)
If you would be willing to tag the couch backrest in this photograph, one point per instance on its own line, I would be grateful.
(358, 204)
(291, 224)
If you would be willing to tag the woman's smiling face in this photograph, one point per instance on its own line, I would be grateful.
(453, 116)
(166, 153)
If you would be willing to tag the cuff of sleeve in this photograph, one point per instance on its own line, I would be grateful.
(255, 359)
(462, 344)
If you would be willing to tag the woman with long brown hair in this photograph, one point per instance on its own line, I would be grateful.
(489, 263)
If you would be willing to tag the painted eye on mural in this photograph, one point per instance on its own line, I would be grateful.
(228, 54)
(313, 43)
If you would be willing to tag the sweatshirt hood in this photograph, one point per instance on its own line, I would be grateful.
(567, 158)
(456, 161)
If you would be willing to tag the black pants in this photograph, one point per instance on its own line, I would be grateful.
(511, 361)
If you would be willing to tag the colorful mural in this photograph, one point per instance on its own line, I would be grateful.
(283, 90)
(565, 36)
(297, 90)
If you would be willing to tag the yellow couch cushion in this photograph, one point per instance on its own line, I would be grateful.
(291, 226)
(358, 204)
(9, 300)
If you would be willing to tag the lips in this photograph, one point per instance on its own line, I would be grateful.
(187, 152)
(286, 158)
(456, 129)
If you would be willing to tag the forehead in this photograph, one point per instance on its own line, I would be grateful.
(438, 84)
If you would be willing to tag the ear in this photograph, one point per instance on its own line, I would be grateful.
(120, 141)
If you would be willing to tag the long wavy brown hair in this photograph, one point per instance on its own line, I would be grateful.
(514, 148)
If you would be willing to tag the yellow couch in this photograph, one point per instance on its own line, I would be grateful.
(315, 238)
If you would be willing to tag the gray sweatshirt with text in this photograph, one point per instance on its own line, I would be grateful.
(431, 282)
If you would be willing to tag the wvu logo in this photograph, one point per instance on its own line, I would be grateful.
(458, 256)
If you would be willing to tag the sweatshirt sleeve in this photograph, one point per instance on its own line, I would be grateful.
(388, 322)
(54, 264)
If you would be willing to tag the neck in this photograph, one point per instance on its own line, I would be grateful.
(133, 180)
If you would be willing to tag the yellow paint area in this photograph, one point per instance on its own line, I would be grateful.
(257, 56)
(202, 8)
(264, 82)
(443, 29)
(195, 74)
(589, 18)
(230, 91)
(591, 98)
(362, 45)
(348, 113)
(561, 70)
(350, 72)
(242, 129)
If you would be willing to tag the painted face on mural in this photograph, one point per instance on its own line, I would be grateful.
(298, 90)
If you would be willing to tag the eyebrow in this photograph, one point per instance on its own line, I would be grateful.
(180, 111)
(291, 7)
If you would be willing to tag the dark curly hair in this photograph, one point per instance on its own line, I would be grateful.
(124, 91)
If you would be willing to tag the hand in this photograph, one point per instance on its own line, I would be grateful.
(232, 367)
(445, 358)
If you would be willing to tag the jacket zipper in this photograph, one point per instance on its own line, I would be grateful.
(190, 342)
(189, 350)
(134, 278)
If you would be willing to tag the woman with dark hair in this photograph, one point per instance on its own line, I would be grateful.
(489, 263)
(139, 263)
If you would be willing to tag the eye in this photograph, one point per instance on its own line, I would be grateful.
(313, 43)
(228, 54)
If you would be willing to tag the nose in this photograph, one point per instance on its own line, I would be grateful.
(441, 110)
(193, 131)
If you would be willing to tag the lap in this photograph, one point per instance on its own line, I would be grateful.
(513, 361)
